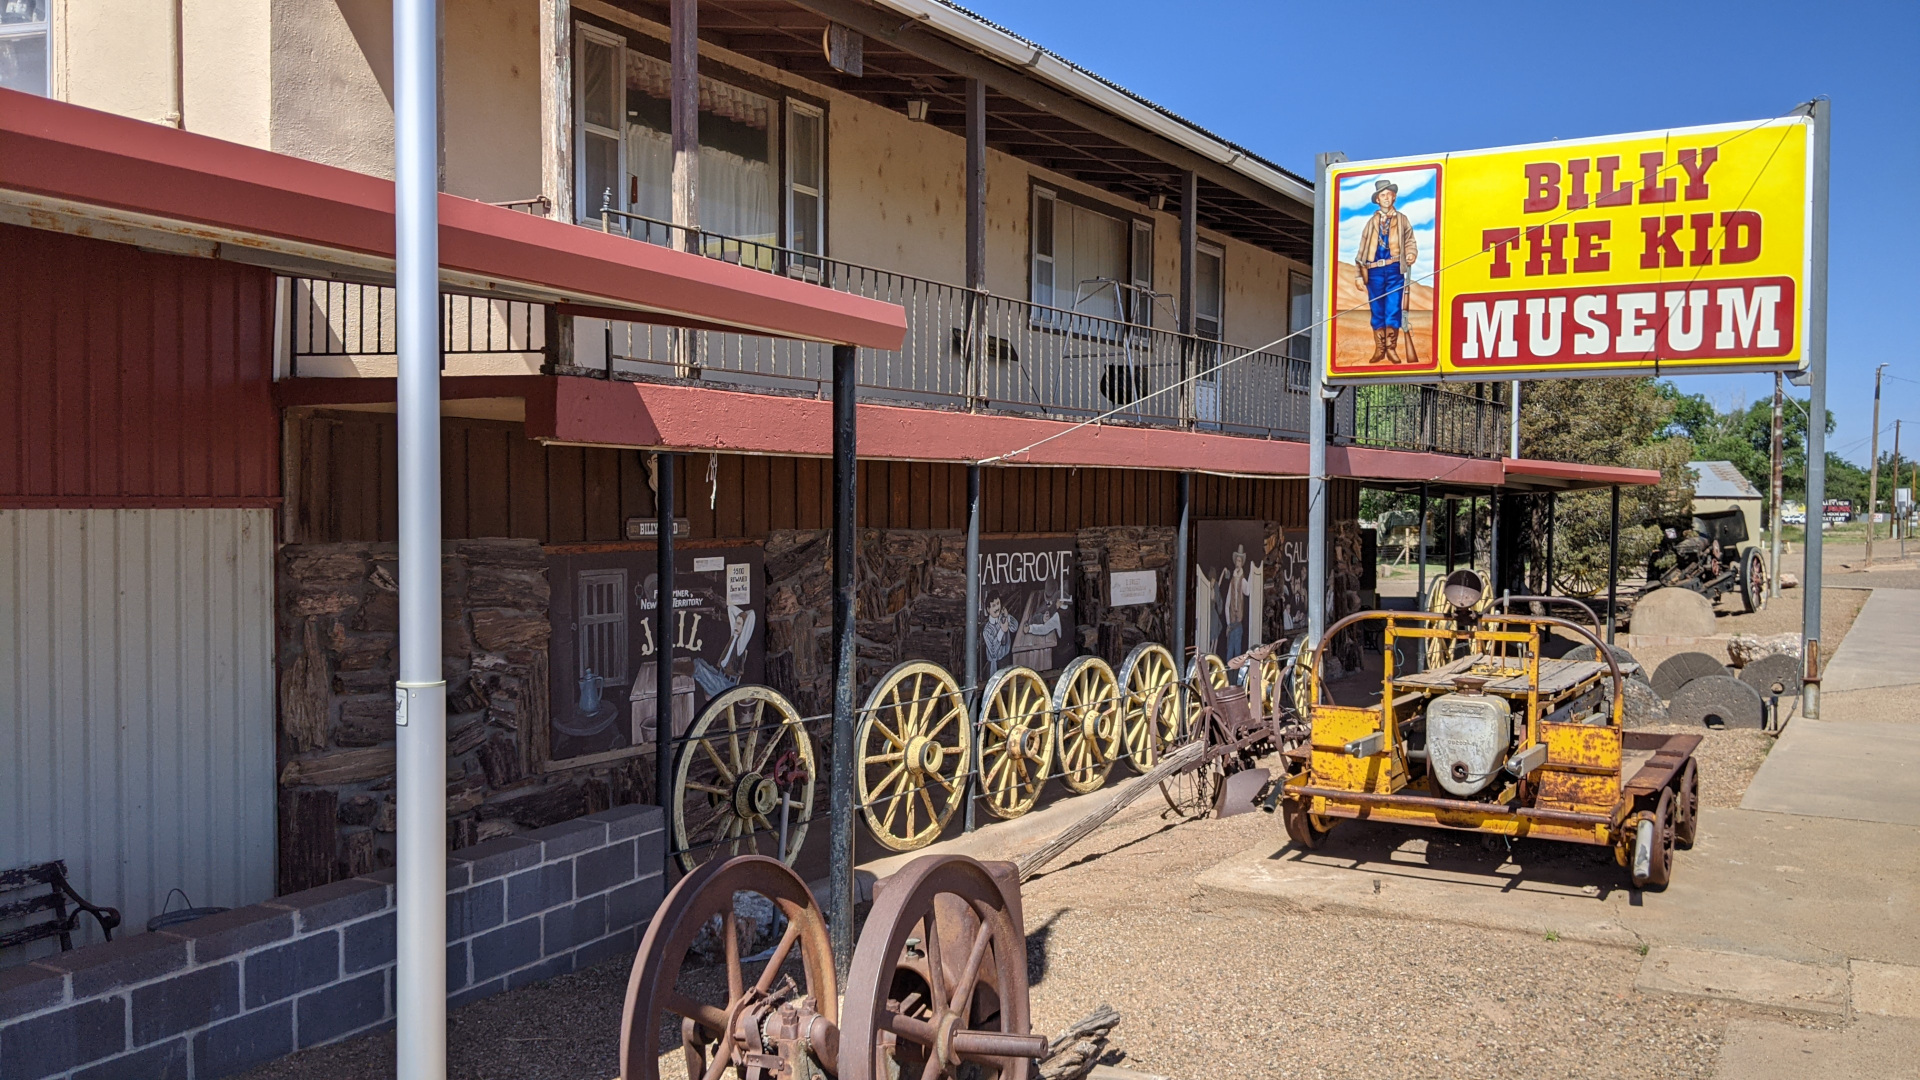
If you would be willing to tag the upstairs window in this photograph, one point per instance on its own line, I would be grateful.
(25, 47)
(624, 151)
(1088, 261)
(1209, 292)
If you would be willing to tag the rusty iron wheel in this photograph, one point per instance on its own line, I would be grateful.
(1660, 864)
(1302, 828)
(916, 745)
(715, 1025)
(1217, 676)
(938, 983)
(1016, 740)
(1190, 793)
(1086, 710)
(748, 751)
(1147, 668)
(1686, 808)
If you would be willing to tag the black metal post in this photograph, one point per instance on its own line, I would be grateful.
(973, 625)
(1453, 524)
(845, 534)
(1420, 595)
(1182, 511)
(1495, 563)
(1553, 525)
(663, 638)
(1613, 567)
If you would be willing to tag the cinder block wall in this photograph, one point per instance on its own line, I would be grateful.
(220, 995)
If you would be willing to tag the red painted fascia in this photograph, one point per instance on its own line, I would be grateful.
(597, 412)
(1579, 475)
(62, 151)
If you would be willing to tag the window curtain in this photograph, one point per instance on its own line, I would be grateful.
(737, 190)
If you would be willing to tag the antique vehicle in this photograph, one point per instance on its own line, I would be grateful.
(1498, 739)
(1717, 555)
(937, 986)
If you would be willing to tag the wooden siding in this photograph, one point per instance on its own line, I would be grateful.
(495, 482)
(133, 379)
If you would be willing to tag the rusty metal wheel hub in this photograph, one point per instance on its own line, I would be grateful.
(755, 795)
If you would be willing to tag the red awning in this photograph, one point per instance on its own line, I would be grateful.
(1567, 476)
(93, 173)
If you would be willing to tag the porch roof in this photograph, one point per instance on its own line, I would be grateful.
(1529, 475)
(573, 410)
(80, 171)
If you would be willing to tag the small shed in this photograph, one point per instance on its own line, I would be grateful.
(1718, 485)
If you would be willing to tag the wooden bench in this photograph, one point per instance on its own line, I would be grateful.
(46, 911)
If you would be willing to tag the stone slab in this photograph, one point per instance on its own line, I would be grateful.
(1755, 980)
(1672, 613)
(1871, 1048)
(1814, 890)
(1853, 771)
(1886, 989)
(1882, 648)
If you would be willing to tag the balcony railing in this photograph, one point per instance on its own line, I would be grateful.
(964, 350)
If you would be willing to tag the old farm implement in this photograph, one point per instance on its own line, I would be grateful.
(1498, 739)
(937, 986)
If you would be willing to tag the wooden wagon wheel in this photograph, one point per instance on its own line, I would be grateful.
(1086, 701)
(916, 745)
(748, 751)
(1217, 675)
(1272, 695)
(1147, 668)
(1016, 740)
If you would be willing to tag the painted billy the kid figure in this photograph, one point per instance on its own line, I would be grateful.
(1385, 256)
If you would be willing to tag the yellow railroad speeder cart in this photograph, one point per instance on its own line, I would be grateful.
(1496, 739)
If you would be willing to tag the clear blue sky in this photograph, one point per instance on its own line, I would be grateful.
(1289, 80)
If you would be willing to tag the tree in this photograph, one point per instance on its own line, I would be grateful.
(1630, 422)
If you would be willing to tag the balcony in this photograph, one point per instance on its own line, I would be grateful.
(965, 350)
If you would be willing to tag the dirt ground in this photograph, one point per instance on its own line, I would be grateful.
(1211, 989)
(1208, 988)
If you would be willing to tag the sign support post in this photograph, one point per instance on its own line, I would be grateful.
(1816, 353)
(1317, 410)
(664, 634)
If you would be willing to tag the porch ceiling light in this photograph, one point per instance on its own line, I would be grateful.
(917, 110)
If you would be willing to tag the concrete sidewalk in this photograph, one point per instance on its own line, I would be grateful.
(1859, 771)
(1883, 648)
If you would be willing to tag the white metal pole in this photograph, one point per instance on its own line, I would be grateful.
(1816, 350)
(1777, 488)
(1317, 407)
(420, 986)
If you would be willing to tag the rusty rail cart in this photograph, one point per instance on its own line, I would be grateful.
(937, 985)
(1500, 740)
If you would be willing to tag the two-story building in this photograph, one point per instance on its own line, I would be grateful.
(1064, 252)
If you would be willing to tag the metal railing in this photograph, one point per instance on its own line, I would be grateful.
(1430, 418)
(964, 350)
(342, 320)
(968, 349)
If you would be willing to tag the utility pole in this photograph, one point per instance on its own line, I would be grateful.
(1778, 488)
(1873, 474)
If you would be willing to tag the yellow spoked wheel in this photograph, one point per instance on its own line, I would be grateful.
(1016, 740)
(746, 760)
(915, 745)
(1147, 731)
(1086, 702)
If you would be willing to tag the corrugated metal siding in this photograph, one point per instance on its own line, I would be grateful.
(136, 678)
(131, 378)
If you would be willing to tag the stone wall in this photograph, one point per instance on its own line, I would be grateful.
(337, 626)
(220, 995)
(1112, 632)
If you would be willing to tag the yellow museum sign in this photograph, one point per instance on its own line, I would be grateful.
(1665, 251)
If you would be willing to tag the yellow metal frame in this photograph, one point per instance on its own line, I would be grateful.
(1576, 795)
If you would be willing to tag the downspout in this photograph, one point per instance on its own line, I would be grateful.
(176, 53)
